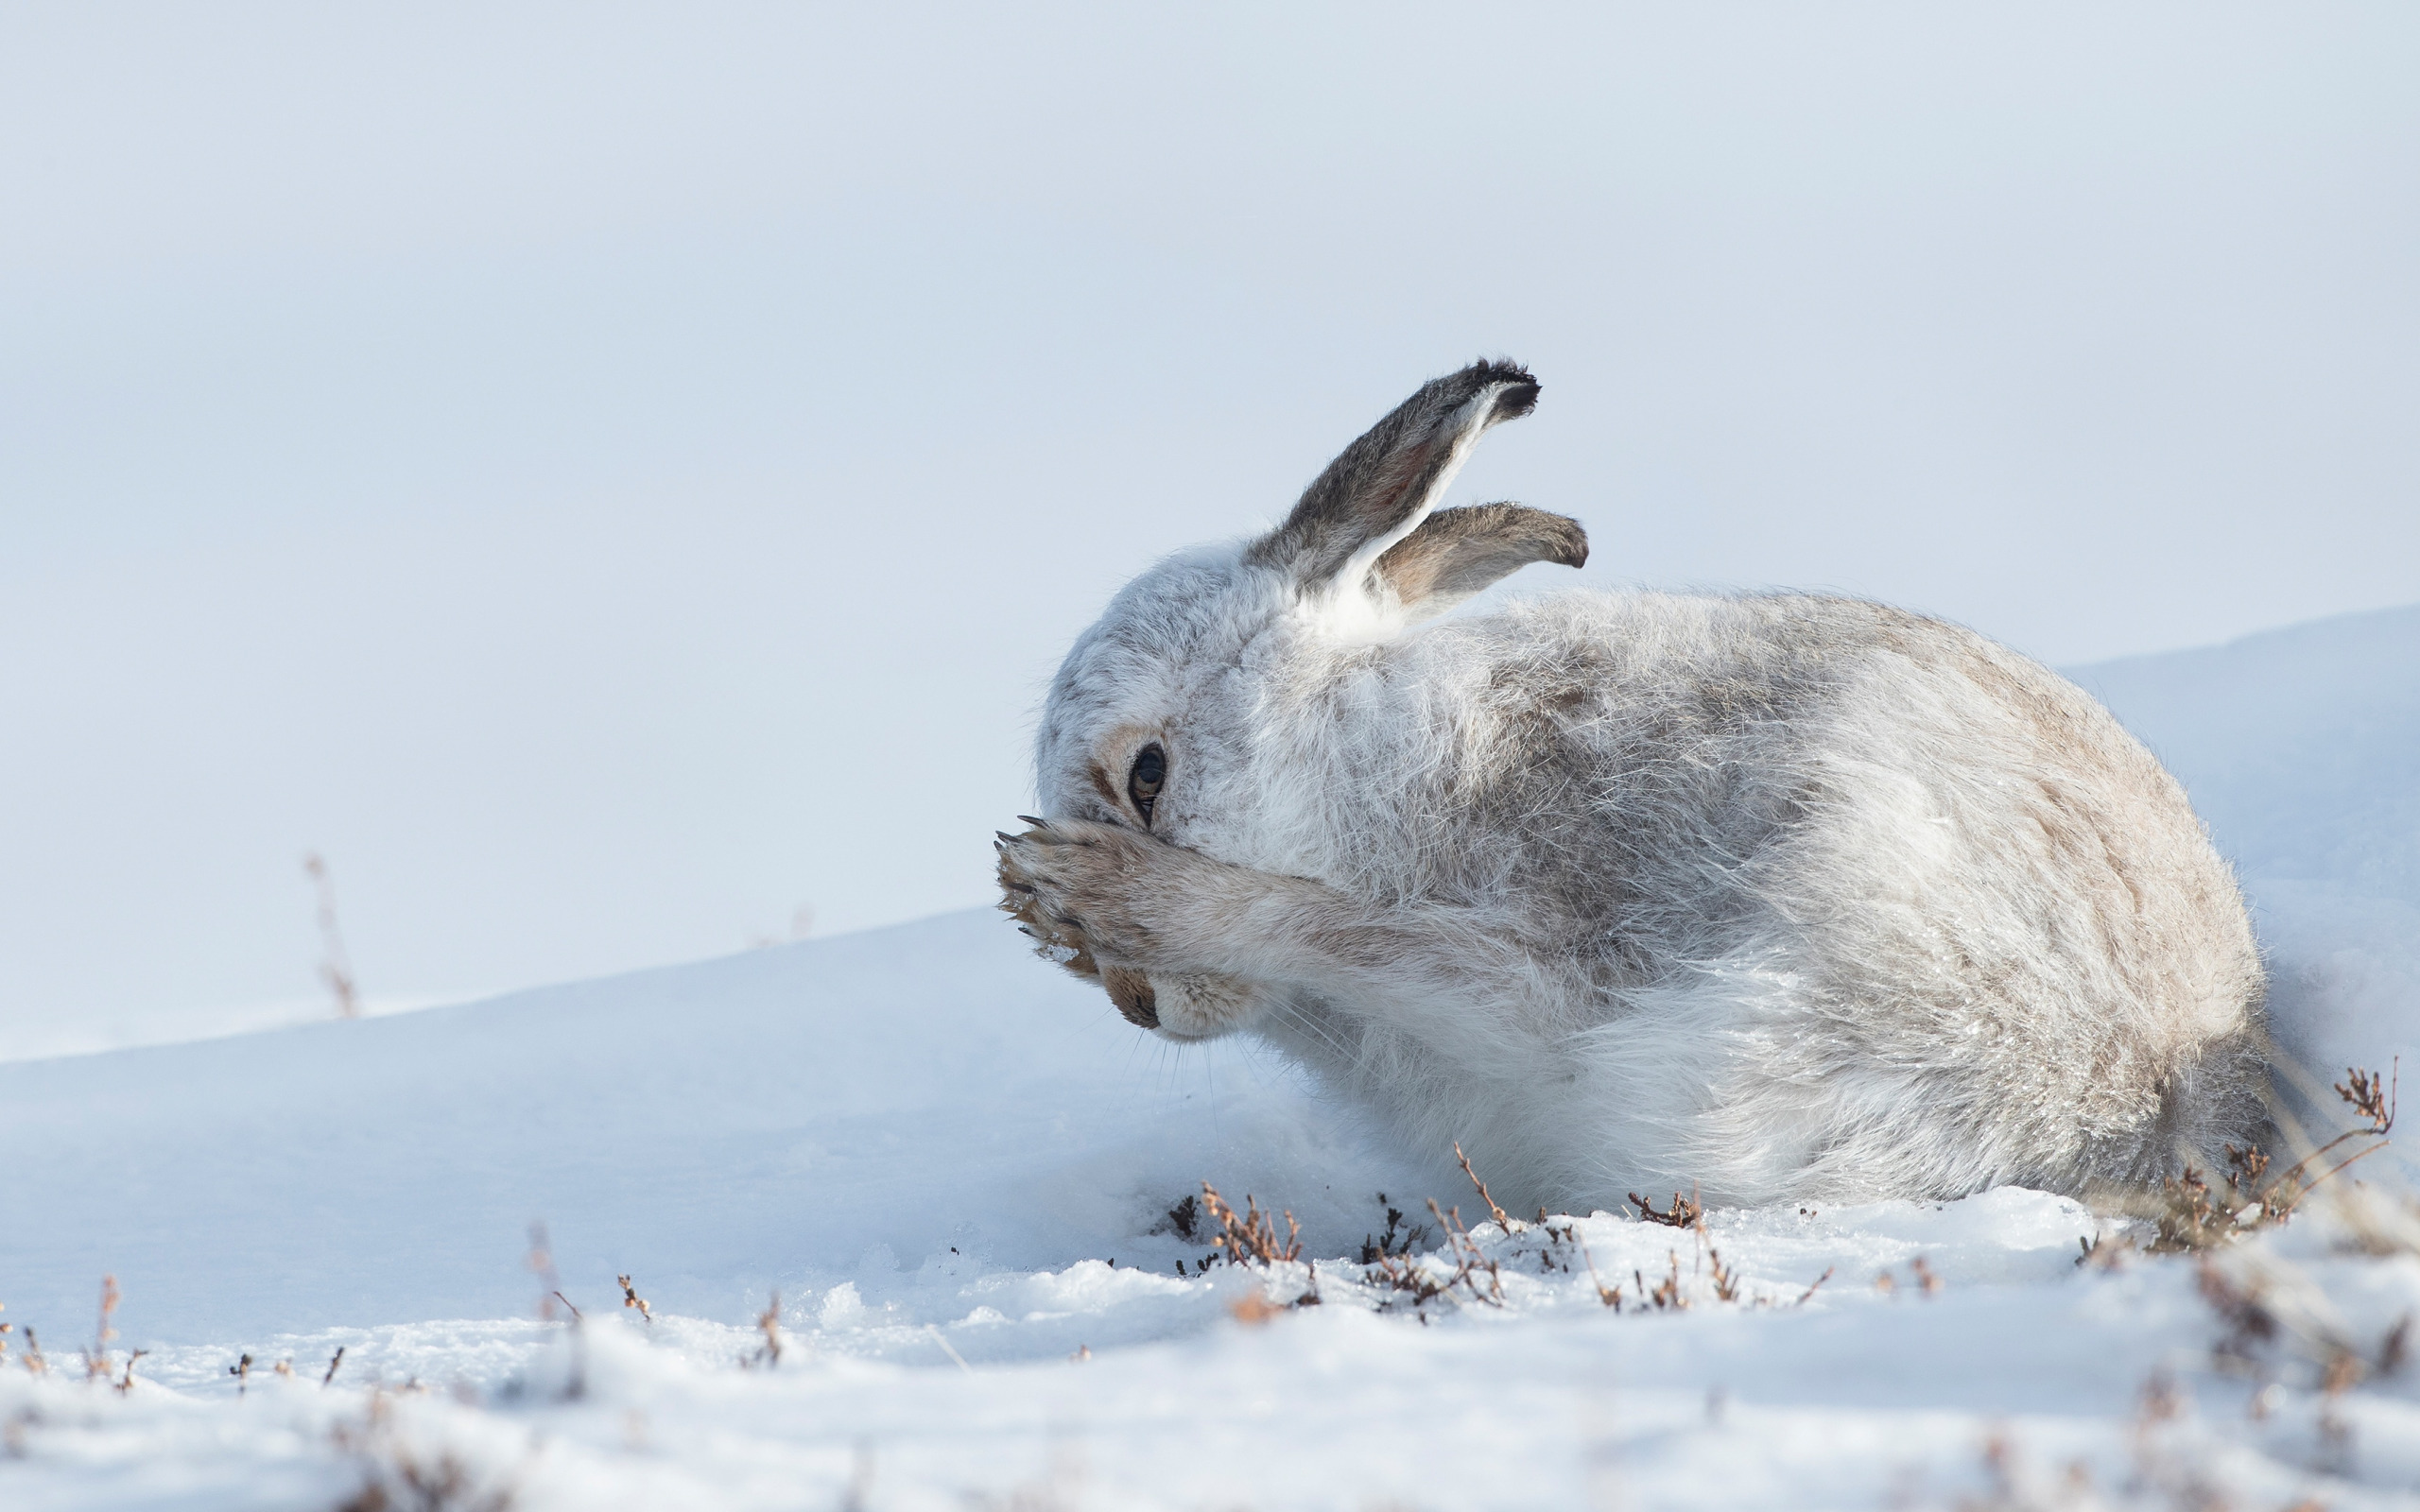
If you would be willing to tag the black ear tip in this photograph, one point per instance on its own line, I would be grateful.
(1566, 542)
(1516, 391)
(1499, 370)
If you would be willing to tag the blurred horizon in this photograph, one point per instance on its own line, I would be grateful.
(610, 479)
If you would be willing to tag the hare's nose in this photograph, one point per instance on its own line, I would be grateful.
(1131, 993)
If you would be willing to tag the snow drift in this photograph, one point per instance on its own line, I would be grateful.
(958, 1168)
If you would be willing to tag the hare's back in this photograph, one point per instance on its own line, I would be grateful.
(1897, 786)
(1824, 689)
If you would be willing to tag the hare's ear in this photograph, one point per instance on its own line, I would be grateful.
(1385, 484)
(1454, 553)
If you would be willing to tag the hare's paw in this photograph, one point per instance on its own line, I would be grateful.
(1056, 940)
(1073, 884)
(1060, 941)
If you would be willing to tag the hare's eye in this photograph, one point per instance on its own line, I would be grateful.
(1143, 780)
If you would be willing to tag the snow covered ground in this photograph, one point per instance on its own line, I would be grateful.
(956, 1170)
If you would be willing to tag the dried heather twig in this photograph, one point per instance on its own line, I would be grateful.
(1493, 1211)
(1468, 1260)
(1685, 1212)
(540, 1262)
(96, 1359)
(1667, 1292)
(1610, 1295)
(2189, 1213)
(1251, 1238)
(337, 969)
(2365, 1095)
(768, 1323)
(1726, 1278)
(1396, 1240)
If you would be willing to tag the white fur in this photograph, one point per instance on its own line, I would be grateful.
(1777, 896)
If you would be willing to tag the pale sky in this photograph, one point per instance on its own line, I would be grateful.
(612, 477)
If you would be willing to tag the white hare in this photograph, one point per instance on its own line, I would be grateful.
(1777, 896)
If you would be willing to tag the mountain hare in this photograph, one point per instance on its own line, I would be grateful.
(1775, 896)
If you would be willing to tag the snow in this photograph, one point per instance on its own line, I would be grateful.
(2298, 747)
(40, 1038)
(957, 1169)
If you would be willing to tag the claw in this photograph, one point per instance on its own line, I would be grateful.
(1006, 838)
(1028, 818)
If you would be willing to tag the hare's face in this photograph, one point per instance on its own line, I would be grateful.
(1147, 722)
(1142, 724)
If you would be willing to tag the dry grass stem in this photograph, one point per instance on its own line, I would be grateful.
(2395, 1351)
(956, 1359)
(1391, 1265)
(1493, 1211)
(1684, 1214)
(768, 1323)
(2368, 1099)
(2189, 1213)
(2103, 1251)
(540, 1262)
(1666, 1293)
(396, 1477)
(631, 1298)
(96, 1359)
(1468, 1261)
(1397, 1241)
(1610, 1295)
(1926, 1280)
(1252, 1238)
(1726, 1279)
(1403, 1274)
(336, 969)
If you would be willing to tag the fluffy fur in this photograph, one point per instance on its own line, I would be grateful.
(1777, 896)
